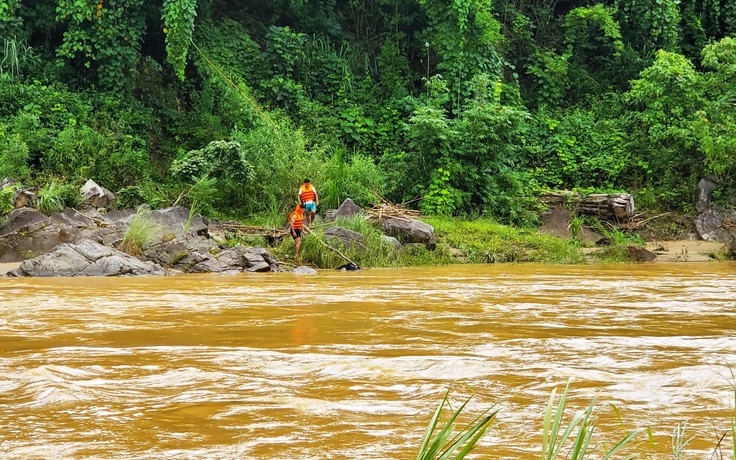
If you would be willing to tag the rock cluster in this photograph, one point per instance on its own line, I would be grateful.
(85, 242)
(89, 242)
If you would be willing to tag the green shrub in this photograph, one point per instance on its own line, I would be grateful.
(6, 199)
(222, 163)
(13, 156)
(280, 160)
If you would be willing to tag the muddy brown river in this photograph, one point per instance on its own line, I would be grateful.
(351, 365)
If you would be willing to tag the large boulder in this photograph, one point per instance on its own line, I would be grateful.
(339, 236)
(258, 259)
(347, 209)
(97, 196)
(409, 231)
(639, 254)
(21, 220)
(706, 187)
(179, 221)
(390, 241)
(716, 226)
(27, 233)
(304, 270)
(556, 222)
(85, 258)
(23, 198)
(184, 254)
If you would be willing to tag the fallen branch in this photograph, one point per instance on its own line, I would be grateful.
(337, 251)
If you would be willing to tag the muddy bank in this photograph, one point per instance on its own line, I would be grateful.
(5, 268)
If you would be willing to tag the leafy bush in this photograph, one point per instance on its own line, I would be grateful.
(579, 148)
(6, 199)
(222, 161)
(13, 156)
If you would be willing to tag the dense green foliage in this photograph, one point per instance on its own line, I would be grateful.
(463, 107)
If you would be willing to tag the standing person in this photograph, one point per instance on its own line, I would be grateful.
(295, 228)
(308, 197)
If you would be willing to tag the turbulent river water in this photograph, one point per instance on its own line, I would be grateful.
(351, 365)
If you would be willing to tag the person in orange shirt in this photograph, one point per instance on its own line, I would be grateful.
(308, 197)
(295, 228)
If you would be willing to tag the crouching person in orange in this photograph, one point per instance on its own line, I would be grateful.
(296, 223)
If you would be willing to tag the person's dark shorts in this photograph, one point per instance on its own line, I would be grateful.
(298, 232)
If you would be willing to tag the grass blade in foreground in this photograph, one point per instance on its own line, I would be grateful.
(441, 446)
(584, 421)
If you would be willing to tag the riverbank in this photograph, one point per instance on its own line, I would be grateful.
(174, 240)
(665, 251)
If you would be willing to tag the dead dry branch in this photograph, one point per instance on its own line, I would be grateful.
(390, 210)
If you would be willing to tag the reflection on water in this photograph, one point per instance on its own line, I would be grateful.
(351, 365)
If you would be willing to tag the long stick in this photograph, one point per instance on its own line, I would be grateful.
(347, 259)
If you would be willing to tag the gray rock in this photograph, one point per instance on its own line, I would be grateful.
(7, 182)
(96, 196)
(185, 253)
(23, 198)
(111, 235)
(21, 220)
(72, 218)
(123, 216)
(28, 233)
(556, 222)
(347, 209)
(258, 259)
(640, 254)
(330, 215)
(177, 220)
(410, 231)
(710, 225)
(344, 237)
(390, 241)
(85, 258)
(304, 270)
(706, 187)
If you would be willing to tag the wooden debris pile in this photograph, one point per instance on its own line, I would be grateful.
(612, 206)
(389, 210)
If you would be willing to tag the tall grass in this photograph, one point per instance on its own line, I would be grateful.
(372, 252)
(140, 234)
(51, 199)
(486, 241)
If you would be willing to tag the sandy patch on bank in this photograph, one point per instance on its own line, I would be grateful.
(683, 250)
(5, 268)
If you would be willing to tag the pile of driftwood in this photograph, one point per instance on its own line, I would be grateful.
(609, 206)
(387, 210)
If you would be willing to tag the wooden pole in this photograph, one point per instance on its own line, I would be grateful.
(337, 251)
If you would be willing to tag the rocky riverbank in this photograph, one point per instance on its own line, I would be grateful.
(99, 240)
